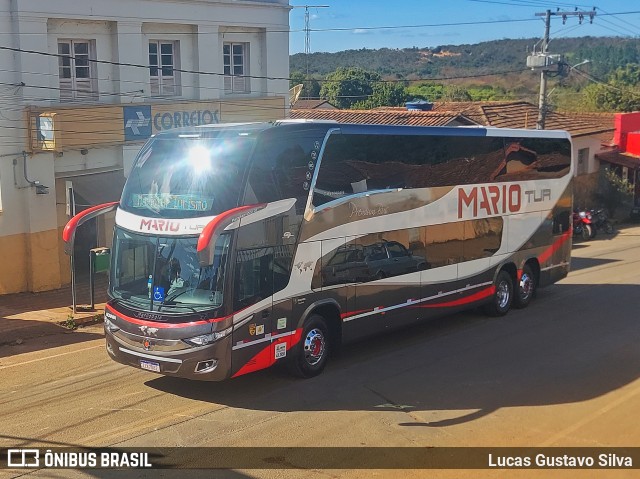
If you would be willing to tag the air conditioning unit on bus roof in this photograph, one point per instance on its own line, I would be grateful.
(287, 121)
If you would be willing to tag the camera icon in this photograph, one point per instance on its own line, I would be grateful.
(23, 458)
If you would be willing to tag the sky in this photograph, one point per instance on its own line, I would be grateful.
(355, 24)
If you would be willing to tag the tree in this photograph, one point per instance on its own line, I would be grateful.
(456, 93)
(613, 191)
(620, 93)
(384, 94)
(347, 86)
(311, 88)
(426, 91)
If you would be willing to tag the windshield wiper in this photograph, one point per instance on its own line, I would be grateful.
(177, 304)
(171, 300)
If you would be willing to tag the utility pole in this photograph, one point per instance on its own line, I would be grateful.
(307, 33)
(545, 61)
(542, 99)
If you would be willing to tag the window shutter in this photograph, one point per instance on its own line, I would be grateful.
(155, 86)
(239, 84)
(84, 89)
(168, 86)
(66, 89)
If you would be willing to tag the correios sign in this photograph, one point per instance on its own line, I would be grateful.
(176, 119)
(65, 127)
(177, 115)
(142, 121)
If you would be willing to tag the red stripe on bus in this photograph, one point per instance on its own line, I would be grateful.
(267, 356)
(546, 254)
(482, 294)
(207, 232)
(155, 324)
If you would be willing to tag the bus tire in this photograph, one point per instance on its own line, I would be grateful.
(310, 355)
(526, 289)
(502, 296)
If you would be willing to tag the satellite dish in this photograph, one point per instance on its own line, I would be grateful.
(294, 94)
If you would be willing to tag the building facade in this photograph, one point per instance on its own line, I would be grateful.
(624, 155)
(84, 84)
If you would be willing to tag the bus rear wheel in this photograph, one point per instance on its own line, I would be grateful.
(526, 288)
(310, 355)
(502, 295)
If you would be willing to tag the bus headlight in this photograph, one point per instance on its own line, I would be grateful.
(108, 325)
(204, 339)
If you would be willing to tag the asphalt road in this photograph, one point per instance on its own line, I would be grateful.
(563, 372)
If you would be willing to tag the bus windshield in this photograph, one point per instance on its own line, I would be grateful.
(163, 272)
(187, 177)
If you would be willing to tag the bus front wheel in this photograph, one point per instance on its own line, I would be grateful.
(311, 353)
(502, 295)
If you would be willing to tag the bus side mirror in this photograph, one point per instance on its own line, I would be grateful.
(209, 236)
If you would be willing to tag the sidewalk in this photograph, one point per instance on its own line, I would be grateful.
(30, 315)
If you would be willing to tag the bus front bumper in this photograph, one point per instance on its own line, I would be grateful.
(205, 363)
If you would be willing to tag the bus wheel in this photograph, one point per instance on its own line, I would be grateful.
(311, 353)
(502, 297)
(526, 288)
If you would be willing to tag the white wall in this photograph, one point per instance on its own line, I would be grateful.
(121, 30)
(594, 145)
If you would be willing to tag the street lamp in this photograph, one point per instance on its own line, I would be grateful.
(574, 67)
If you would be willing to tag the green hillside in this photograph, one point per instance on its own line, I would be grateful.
(494, 70)
(605, 53)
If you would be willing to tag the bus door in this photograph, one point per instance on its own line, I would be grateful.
(262, 267)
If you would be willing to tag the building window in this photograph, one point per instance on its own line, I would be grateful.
(163, 62)
(77, 70)
(583, 161)
(235, 57)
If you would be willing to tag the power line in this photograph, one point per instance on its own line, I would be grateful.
(133, 65)
(622, 20)
(252, 106)
(543, 59)
(330, 29)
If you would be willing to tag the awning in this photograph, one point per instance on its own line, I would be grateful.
(97, 188)
(617, 158)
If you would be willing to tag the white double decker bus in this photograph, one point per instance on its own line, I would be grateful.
(239, 246)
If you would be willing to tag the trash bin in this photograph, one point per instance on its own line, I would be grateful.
(100, 258)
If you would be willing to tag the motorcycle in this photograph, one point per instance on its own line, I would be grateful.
(582, 225)
(601, 222)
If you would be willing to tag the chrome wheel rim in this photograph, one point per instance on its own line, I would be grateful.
(502, 294)
(314, 347)
(526, 286)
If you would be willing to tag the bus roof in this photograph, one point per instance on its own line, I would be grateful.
(232, 129)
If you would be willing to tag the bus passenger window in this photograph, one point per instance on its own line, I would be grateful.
(261, 272)
(283, 168)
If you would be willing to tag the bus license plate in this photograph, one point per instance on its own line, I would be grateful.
(150, 366)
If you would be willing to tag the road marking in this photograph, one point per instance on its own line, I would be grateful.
(395, 406)
(49, 357)
(116, 409)
(591, 418)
